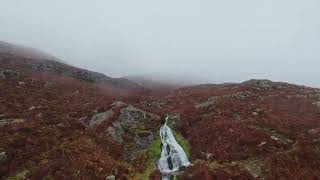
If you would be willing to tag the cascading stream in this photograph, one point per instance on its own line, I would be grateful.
(173, 156)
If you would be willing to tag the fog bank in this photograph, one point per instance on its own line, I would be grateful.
(209, 40)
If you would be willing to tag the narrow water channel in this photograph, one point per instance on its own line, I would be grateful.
(173, 158)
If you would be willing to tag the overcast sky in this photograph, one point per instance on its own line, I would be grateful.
(211, 40)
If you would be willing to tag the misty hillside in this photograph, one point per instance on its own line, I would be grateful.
(62, 122)
(159, 90)
(12, 50)
(160, 82)
(31, 60)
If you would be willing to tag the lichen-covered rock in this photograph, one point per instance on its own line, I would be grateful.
(2, 116)
(3, 157)
(133, 126)
(129, 120)
(4, 122)
(317, 104)
(49, 84)
(111, 177)
(266, 84)
(242, 94)
(118, 104)
(153, 104)
(21, 83)
(129, 115)
(10, 74)
(100, 117)
(2, 76)
(143, 139)
(116, 132)
(209, 102)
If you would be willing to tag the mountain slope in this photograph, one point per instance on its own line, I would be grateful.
(34, 61)
(62, 122)
(11, 50)
(257, 129)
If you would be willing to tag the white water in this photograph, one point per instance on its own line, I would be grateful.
(173, 156)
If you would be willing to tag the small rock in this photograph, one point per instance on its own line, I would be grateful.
(209, 102)
(313, 131)
(207, 155)
(3, 157)
(317, 104)
(262, 144)
(301, 96)
(61, 125)
(111, 177)
(233, 163)
(10, 74)
(83, 118)
(316, 140)
(21, 83)
(242, 94)
(255, 113)
(49, 84)
(4, 122)
(31, 108)
(274, 138)
(118, 104)
(39, 115)
(2, 76)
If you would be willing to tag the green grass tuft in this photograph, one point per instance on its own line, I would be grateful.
(182, 141)
(154, 150)
(154, 153)
(20, 175)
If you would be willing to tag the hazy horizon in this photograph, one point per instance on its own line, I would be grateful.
(204, 41)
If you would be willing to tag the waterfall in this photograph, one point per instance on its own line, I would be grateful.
(173, 156)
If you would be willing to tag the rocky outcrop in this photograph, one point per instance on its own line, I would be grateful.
(117, 104)
(89, 76)
(3, 157)
(143, 138)
(153, 104)
(265, 84)
(317, 104)
(131, 116)
(212, 100)
(10, 74)
(133, 126)
(242, 94)
(100, 117)
(4, 122)
(111, 177)
(209, 102)
(58, 68)
(116, 132)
